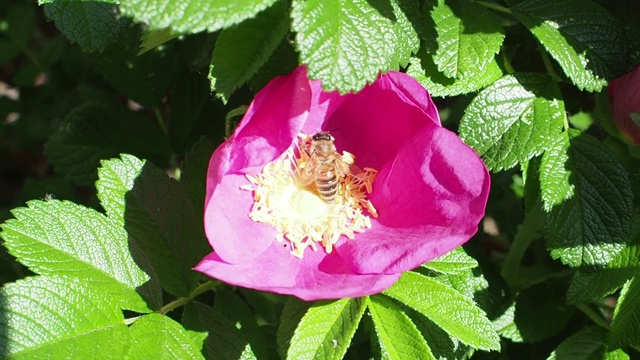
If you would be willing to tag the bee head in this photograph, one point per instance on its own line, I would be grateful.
(323, 136)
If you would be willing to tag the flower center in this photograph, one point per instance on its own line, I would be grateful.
(311, 195)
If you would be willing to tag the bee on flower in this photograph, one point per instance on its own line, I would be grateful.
(288, 210)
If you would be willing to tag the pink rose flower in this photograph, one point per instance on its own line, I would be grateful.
(430, 191)
(624, 94)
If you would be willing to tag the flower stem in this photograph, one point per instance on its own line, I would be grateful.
(495, 7)
(229, 126)
(591, 314)
(528, 232)
(160, 119)
(507, 64)
(204, 287)
(556, 79)
(546, 60)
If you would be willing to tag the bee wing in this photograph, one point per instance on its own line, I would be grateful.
(304, 172)
(355, 170)
(342, 167)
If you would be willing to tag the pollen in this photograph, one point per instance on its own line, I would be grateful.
(298, 212)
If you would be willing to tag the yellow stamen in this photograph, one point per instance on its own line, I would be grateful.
(300, 215)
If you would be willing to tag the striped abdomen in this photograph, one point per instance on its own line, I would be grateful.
(327, 182)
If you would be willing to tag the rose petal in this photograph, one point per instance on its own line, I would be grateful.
(232, 234)
(411, 92)
(624, 95)
(272, 121)
(424, 213)
(380, 119)
(316, 276)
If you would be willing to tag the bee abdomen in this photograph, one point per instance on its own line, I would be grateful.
(327, 187)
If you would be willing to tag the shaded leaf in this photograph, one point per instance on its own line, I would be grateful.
(92, 25)
(583, 345)
(593, 225)
(194, 172)
(588, 285)
(241, 50)
(584, 38)
(97, 131)
(541, 311)
(625, 325)
(233, 306)
(224, 340)
(144, 200)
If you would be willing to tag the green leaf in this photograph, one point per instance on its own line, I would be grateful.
(151, 39)
(62, 238)
(593, 225)
(348, 43)
(588, 285)
(242, 49)
(454, 262)
(59, 317)
(227, 302)
(292, 314)
(441, 344)
(194, 172)
(628, 13)
(469, 283)
(513, 120)
(143, 199)
(425, 72)
(584, 38)
(283, 61)
(555, 186)
(191, 103)
(96, 131)
(224, 340)
(584, 345)
(324, 331)
(19, 23)
(618, 354)
(541, 311)
(625, 325)
(156, 336)
(192, 16)
(398, 336)
(469, 36)
(92, 25)
(144, 78)
(452, 311)
(506, 326)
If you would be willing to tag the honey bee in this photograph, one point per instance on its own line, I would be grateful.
(325, 167)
